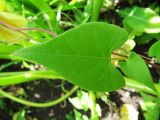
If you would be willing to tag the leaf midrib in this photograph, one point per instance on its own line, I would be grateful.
(80, 56)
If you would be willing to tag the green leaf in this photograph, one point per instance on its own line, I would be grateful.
(141, 19)
(154, 50)
(19, 115)
(150, 107)
(136, 69)
(82, 55)
(6, 49)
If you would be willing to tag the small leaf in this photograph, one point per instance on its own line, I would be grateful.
(136, 69)
(155, 50)
(141, 19)
(19, 115)
(82, 55)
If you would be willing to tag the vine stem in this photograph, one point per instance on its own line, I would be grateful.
(121, 55)
(35, 104)
(26, 29)
(38, 29)
(146, 59)
(13, 28)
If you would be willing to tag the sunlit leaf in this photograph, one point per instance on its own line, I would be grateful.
(141, 19)
(2, 5)
(9, 35)
(82, 55)
(12, 19)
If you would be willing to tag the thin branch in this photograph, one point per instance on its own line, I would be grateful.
(13, 28)
(153, 65)
(25, 29)
(119, 54)
(146, 59)
(38, 29)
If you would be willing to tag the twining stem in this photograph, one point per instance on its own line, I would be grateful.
(38, 29)
(34, 74)
(26, 29)
(13, 28)
(35, 104)
(7, 65)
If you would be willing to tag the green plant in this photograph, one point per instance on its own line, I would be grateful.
(95, 56)
(81, 57)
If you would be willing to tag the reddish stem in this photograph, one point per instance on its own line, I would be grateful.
(12, 28)
(38, 29)
(146, 59)
(23, 29)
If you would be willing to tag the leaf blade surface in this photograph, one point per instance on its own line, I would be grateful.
(82, 55)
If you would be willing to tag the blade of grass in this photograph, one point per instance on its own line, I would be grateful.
(50, 15)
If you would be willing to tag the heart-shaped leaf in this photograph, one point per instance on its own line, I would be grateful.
(82, 55)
